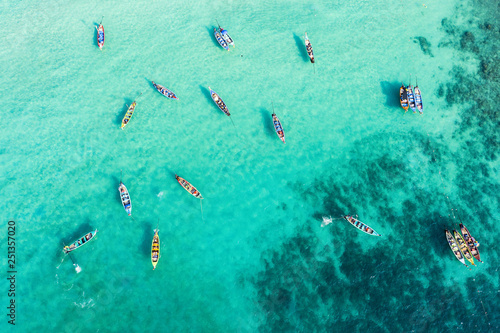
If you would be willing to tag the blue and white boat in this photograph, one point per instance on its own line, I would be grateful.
(411, 98)
(164, 91)
(125, 198)
(220, 40)
(226, 36)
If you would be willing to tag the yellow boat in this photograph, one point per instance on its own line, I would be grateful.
(155, 249)
(463, 247)
(129, 113)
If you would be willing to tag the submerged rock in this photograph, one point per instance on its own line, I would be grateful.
(425, 46)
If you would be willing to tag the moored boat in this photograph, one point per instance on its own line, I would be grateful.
(471, 243)
(403, 97)
(360, 225)
(125, 198)
(463, 247)
(155, 249)
(454, 247)
(100, 35)
(278, 128)
(188, 187)
(220, 103)
(220, 40)
(128, 115)
(411, 98)
(309, 49)
(80, 242)
(418, 100)
(226, 36)
(164, 91)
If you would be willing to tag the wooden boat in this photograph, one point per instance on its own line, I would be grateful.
(100, 35)
(418, 100)
(309, 49)
(278, 128)
(80, 242)
(411, 98)
(360, 225)
(125, 197)
(226, 36)
(188, 187)
(220, 103)
(454, 247)
(220, 40)
(403, 97)
(470, 242)
(164, 91)
(128, 115)
(463, 247)
(155, 249)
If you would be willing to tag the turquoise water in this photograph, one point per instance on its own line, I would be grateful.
(256, 258)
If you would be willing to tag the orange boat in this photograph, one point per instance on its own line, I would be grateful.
(403, 97)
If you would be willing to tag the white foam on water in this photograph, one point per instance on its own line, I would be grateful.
(326, 221)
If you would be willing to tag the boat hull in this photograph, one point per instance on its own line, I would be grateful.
(155, 249)
(226, 37)
(403, 97)
(125, 198)
(80, 242)
(360, 225)
(309, 49)
(463, 247)
(164, 91)
(454, 247)
(470, 242)
(188, 187)
(220, 40)
(100, 36)
(411, 98)
(418, 100)
(128, 115)
(219, 102)
(278, 128)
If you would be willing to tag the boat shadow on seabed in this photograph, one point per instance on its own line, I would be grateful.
(147, 237)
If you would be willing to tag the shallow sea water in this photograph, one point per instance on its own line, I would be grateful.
(256, 258)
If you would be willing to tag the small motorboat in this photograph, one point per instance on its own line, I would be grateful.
(80, 242)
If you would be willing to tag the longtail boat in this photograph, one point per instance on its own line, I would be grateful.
(125, 198)
(463, 247)
(100, 35)
(278, 128)
(403, 97)
(226, 36)
(220, 40)
(418, 100)
(411, 98)
(129, 113)
(309, 49)
(155, 249)
(164, 91)
(220, 103)
(80, 242)
(454, 247)
(472, 244)
(188, 187)
(360, 225)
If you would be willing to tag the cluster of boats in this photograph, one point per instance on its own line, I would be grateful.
(411, 98)
(223, 38)
(127, 205)
(464, 246)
